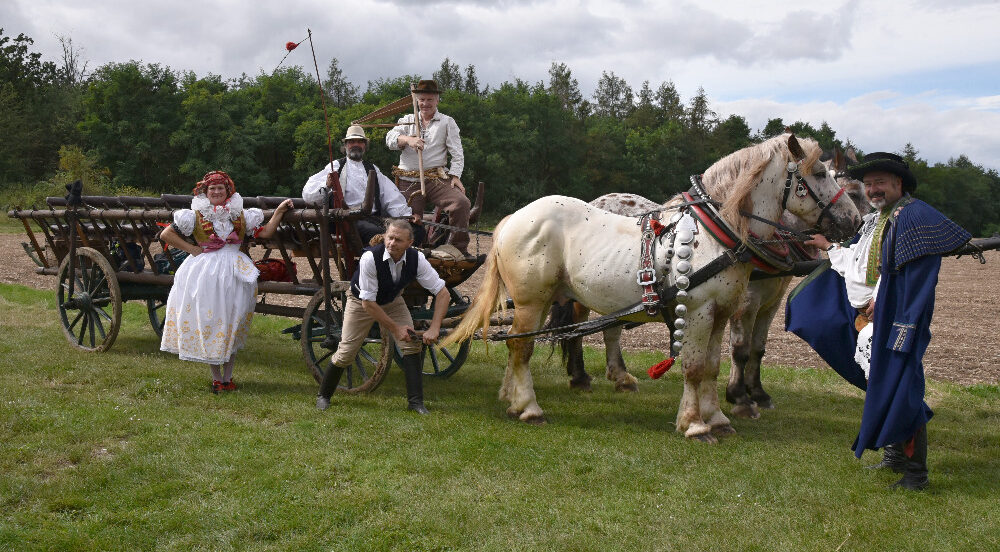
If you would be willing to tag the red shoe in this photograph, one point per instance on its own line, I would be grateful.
(217, 386)
(229, 386)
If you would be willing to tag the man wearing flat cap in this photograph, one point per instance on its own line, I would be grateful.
(439, 138)
(896, 257)
(353, 171)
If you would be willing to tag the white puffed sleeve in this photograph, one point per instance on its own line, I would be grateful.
(253, 217)
(184, 221)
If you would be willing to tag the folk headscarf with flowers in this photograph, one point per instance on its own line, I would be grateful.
(213, 219)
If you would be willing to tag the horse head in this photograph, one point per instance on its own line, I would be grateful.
(782, 173)
(811, 191)
(837, 162)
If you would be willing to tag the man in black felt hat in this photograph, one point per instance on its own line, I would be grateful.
(900, 262)
(439, 139)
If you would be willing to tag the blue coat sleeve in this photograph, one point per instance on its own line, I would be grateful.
(919, 278)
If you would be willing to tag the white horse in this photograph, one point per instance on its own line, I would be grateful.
(559, 248)
(748, 327)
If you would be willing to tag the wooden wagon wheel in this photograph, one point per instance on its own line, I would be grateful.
(439, 361)
(155, 307)
(85, 316)
(374, 358)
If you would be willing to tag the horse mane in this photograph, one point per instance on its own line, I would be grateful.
(732, 179)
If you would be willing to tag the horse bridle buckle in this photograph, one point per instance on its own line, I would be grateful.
(645, 277)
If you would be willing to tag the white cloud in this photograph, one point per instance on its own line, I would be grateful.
(938, 134)
(811, 61)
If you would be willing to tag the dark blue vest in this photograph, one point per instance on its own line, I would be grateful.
(387, 289)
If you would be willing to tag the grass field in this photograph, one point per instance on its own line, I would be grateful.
(127, 450)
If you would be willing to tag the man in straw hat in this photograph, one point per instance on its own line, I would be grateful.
(439, 137)
(905, 240)
(353, 172)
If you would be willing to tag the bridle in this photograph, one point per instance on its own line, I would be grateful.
(802, 189)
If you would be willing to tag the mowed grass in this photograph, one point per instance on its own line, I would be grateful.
(128, 450)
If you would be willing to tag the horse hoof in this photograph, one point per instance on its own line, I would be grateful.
(535, 420)
(583, 386)
(627, 387)
(513, 414)
(746, 411)
(725, 429)
(766, 404)
(704, 438)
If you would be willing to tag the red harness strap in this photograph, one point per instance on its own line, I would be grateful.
(646, 276)
(727, 239)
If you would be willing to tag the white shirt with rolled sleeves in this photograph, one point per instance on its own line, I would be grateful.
(427, 277)
(441, 137)
(354, 182)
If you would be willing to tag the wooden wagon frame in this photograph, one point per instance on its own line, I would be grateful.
(111, 247)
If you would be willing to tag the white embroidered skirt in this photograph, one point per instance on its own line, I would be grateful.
(210, 306)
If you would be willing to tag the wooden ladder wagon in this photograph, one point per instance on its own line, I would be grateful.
(113, 246)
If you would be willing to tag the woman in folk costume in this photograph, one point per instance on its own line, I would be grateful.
(212, 300)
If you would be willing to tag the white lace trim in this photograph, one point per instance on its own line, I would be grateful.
(229, 211)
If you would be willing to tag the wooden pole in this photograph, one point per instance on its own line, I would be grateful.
(416, 132)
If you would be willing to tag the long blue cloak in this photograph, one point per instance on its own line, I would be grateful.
(819, 312)
(911, 259)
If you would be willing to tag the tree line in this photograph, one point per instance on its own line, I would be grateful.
(133, 127)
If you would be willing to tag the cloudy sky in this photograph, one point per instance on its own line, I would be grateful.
(880, 73)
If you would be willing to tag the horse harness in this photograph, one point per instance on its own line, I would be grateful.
(657, 294)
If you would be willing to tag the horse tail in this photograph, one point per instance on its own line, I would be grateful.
(559, 316)
(491, 297)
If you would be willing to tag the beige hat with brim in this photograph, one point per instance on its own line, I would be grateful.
(355, 132)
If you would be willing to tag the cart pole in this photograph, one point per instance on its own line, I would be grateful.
(73, 201)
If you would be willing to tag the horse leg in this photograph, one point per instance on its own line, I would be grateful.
(518, 387)
(758, 343)
(694, 362)
(616, 370)
(573, 353)
(709, 397)
(739, 340)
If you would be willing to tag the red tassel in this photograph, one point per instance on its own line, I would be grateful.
(656, 227)
(290, 46)
(660, 368)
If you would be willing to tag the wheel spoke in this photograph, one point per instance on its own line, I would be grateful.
(100, 327)
(362, 374)
(104, 313)
(79, 315)
(102, 283)
(90, 317)
(319, 361)
(434, 359)
(83, 331)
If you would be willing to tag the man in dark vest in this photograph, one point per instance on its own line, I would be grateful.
(353, 172)
(383, 271)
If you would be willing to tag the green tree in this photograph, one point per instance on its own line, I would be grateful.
(342, 93)
(38, 111)
(564, 86)
(613, 97)
(449, 76)
(471, 85)
(130, 112)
